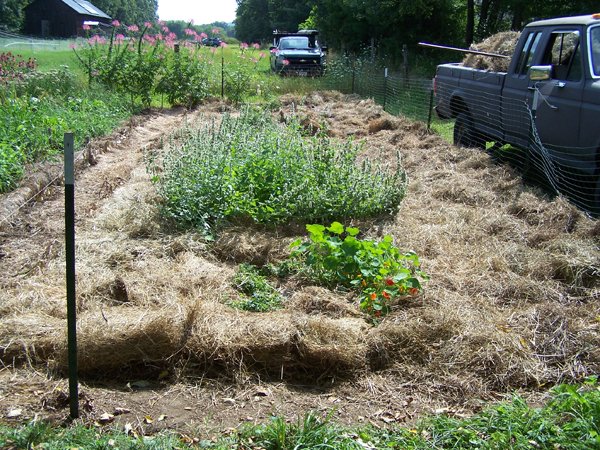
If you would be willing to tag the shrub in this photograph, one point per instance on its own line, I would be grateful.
(250, 168)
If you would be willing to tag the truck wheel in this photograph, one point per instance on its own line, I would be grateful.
(464, 133)
(463, 130)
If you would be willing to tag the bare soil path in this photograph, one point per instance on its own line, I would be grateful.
(512, 302)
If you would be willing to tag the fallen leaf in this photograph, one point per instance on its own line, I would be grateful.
(106, 418)
(188, 408)
(14, 413)
(148, 419)
(161, 418)
(128, 428)
(118, 411)
(262, 393)
(229, 401)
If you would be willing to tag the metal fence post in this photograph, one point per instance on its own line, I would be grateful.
(70, 274)
(430, 114)
(222, 74)
(385, 77)
(405, 61)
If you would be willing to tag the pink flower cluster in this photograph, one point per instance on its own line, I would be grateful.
(13, 67)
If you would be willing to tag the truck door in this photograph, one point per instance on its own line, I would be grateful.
(559, 103)
(516, 96)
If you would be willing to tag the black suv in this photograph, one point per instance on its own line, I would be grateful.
(211, 42)
(297, 53)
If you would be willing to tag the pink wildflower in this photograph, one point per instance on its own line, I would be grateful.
(116, 23)
(286, 62)
(148, 24)
(261, 55)
(86, 27)
(223, 44)
(256, 46)
(119, 37)
(165, 29)
(189, 32)
(133, 28)
(203, 35)
(216, 31)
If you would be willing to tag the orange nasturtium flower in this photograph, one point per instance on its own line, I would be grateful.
(386, 295)
(389, 281)
(373, 296)
(413, 291)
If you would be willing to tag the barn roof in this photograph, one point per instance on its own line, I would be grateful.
(84, 7)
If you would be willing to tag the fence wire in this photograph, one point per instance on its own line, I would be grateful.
(561, 168)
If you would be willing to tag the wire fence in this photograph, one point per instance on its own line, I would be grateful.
(17, 42)
(518, 130)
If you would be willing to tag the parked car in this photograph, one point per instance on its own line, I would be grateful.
(297, 53)
(211, 42)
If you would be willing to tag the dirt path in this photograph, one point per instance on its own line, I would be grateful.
(511, 305)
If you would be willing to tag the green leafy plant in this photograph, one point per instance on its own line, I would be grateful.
(382, 275)
(258, 294)
(251, 168)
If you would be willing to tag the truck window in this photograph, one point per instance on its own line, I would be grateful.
(564, 55)
(527, 52)
(595, 50)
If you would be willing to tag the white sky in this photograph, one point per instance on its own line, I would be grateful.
(201, 11)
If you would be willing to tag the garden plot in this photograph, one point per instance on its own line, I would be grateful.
(512, 301)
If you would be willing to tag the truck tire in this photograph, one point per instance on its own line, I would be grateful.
(464, 133)
(463, 130)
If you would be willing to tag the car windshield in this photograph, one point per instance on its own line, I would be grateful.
(595, 46)
(295, 42)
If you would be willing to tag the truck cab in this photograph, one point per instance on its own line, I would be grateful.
(553, 82)
(297, 53)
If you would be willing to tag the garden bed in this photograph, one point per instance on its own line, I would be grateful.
(511, 303)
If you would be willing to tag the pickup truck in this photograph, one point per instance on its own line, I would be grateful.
(553, 81)
(297, 53)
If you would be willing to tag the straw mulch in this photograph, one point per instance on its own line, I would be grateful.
(512, 301)
(501, 43)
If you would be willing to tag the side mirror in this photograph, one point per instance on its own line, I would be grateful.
(540, 73)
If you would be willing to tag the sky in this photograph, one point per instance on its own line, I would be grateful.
(201, 11)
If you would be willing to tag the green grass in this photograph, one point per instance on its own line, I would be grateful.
(569, 420)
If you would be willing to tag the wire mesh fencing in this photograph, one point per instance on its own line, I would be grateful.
(555, 146)
(10, 42)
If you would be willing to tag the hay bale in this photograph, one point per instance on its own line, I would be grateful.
(332, 346)
(30, 338)
(315, 300)
(125, 338)
(501, 43)
(247, 245)
(227, 341)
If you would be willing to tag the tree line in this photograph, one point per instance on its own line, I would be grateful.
(353, 24)
(126, 11)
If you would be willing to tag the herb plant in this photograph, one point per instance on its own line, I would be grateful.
(382, 275)
(258, 294)
(253, 169)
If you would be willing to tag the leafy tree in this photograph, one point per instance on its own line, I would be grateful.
(253, 22)
(11, 13)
